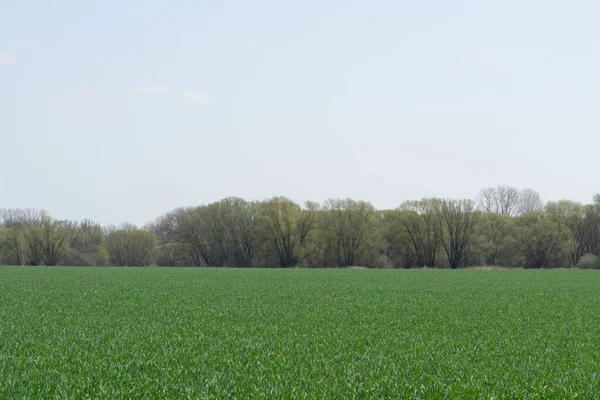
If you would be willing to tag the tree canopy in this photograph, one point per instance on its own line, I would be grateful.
(502, 226)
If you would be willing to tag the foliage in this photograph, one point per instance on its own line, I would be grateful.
(288, 230)
(506, 226)
(458, 221)
(350, 227)
(419, 228)
(589, 261)
(541, 241)
(12, 246)
(85, 242)
(171, 255)
(130, 247)
(495, 231)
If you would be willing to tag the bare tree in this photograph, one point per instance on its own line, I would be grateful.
(352, 227)
(281, 215)
(84, 240)
(130, 247)
(177, 234)
(12, 244)
(494, 230)
(166, 227)
(541, 241)
(21, 217)
(53, 240)
(22, 239)
(530, 200)
(458, 222)
(288, 228)
(417, 231)
(589, 228)
(238, 220)
(34, 245)
(500, 200)
(197, 229)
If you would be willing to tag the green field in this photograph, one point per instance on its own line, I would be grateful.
(239, 333)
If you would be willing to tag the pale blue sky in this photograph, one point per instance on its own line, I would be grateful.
(123, 110)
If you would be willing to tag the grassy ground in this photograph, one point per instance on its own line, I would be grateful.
(235, 333)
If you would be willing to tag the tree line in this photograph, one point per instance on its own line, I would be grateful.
(503, 226)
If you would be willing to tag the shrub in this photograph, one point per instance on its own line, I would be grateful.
(589, 261)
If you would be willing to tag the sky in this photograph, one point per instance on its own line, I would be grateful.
(121, 111)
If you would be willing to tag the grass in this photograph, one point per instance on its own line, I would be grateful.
(233, 333)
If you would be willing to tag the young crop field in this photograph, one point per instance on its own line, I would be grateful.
(254, 333)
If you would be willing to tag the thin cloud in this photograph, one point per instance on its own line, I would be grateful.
(7, 59)
(154, 89)
(198, 97)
